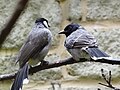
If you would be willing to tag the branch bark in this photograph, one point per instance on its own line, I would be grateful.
(9, 25)
(67, 61)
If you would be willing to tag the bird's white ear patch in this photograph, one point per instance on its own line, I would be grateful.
(20, 89)
(45, 23)
(25, 81)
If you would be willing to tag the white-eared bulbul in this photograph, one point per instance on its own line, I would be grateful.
(33, 51)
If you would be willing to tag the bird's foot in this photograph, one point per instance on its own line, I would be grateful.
(44, 63)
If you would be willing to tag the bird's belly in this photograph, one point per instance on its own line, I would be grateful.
(37, 58)
(78, 53)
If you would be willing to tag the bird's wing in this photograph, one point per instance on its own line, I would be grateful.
(79, 39)
(34, 44)
(84, 39)
(96, 53)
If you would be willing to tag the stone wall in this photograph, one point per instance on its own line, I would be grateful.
(100, 17)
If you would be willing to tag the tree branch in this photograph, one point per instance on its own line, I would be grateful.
(108, 61)
(7, 76)
(53, 65)
(61, 63)
(42, 67)
(9, 25)
(108, 80)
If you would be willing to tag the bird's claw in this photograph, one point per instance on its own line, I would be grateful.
(44, 63)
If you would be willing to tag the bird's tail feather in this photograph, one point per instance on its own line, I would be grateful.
(96, 53)
(22, 75)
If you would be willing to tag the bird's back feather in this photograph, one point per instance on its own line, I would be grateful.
(80, 38)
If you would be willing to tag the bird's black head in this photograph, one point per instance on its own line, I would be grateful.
(43, 21)
(69, 29)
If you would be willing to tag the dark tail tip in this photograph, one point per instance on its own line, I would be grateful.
(21, 75)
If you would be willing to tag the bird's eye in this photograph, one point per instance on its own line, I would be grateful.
(70, 27)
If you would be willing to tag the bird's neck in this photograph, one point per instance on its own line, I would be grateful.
(39, 25)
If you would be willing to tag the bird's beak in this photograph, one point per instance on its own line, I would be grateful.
(48, 25)
(62, 32)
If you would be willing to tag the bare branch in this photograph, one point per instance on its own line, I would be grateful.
(53, 65)
(108, 61)
(61, 63)
(39, 67)
(108, 80)
(105, 85)
(7, 76)
(6, 30)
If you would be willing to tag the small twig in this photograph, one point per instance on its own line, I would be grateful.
(108, 80)
(105, 85)
(56, 85)
(103, 75)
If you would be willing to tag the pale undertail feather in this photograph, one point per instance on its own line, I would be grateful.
(21, 75)
(25, 81)
(96, 53)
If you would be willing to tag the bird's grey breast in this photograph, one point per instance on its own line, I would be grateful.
(70, 40)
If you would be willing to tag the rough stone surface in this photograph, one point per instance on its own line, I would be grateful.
(92, 70)
(6, 8)
(108, 40)
(7, 64)
(37, 8)
(47, 75)
(103, 9)
(74, 10)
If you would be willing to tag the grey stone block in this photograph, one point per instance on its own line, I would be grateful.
(6, 8)
(47, 75)
(75, 12)
(103, 9)
(7, 64)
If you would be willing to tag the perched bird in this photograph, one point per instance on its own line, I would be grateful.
(33, 51)
(81, 44)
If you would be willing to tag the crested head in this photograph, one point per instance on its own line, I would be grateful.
(42, 21)
(70, 29)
